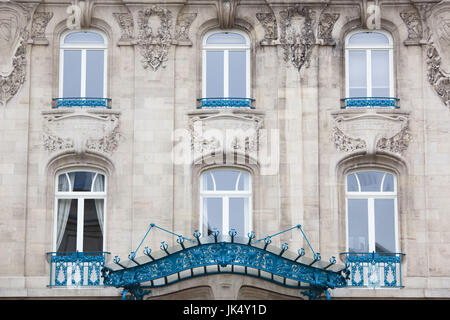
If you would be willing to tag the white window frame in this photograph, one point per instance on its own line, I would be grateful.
(80, 196)
(226, 48)
(225, 196)
(368, 49)
(371, 196)
(83, 47)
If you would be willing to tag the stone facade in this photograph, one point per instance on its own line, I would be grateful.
(154, 77)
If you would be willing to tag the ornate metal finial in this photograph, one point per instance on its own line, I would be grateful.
(180, 241)
(164, 247)
(251, 236)
(232, 234)
(284, 247)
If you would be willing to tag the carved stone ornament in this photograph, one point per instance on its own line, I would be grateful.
(436, 76)
(223, 132)
(40, 21)
(126, 24)
(413, 23)
(325, 27)
(297, 35)
(14, 24)
(269, 23)
(184, 21)
(154, 44)
(371, 132)
(226, 13)
(81, 131)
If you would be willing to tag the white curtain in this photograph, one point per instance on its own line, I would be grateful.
(63, 208)
(99, 186)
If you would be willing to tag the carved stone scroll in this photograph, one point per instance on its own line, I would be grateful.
(154, 44)
(226, 12)
(413, 23)
(297, 35)
(325, 27)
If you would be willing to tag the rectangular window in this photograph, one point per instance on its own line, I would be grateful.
(214, 74)
(72, 74)
(214, 213)
(67, 225)
(380, 73)
(358, 233)
(238, 208)
(94, 73)
(237, 74)
(92, 225)
(384, 225)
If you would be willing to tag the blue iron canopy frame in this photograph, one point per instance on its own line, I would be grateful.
(224, 254)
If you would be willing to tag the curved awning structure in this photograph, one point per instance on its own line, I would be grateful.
(224, 254)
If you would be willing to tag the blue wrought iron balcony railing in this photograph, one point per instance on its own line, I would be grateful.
(362, 102)
(374, 269)
(76, 269)
(81, 102)
(225, 103)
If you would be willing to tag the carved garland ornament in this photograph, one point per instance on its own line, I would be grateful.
(269, 23)
(154, 45)
(184, 22)
(325, 27)
(436, 76)
(126, 23)
(40, 21)
(413, 23)
(297, 45)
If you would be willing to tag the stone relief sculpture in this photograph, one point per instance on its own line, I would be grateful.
(96, 132)
(226, 12)
(269, 23)
(40, 21)
(325, 27)
(14, 34)
(184, 21)
(371, 131)
(154, 44)
(412, 20)
(126, 24)
(297, 35)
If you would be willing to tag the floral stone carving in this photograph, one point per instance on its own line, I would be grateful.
(40, 21)
(154, 44)
(297, 35)
(325, 27)
(413, 23)
(184, 21)
(269, 23)
(126, 23)
(81, 131)
(371, 131)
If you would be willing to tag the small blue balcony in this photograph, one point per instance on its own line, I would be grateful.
(374, 269)
(82, 102)
(364, 102)
(225, 103)
(76, 269)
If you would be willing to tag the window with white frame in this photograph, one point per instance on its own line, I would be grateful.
(83, 56)
(369, 64)
(226, 65)
(371, 205)
(226, 201)
(80, 202)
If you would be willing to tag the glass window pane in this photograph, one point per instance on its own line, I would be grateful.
(352, 183)
(63, 183)
(214, 74)
(66, 233)
(208, 184)
(357, 75)
(212, 211)
(380, 73)
(226, 38)
(358, 235)
(226, 179)
(99, 183)
(370, 180)
(368, 38)
(384, 225)
(237, 74)
(238, 211)
(388, 184)
(83, 181)
(244, 182)
(94, 73)
(93, 225)
(72, 74)
(84, 37)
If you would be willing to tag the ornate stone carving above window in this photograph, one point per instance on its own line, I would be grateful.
(225, 131)
(297, 35)
(413, 23)
(325, 27)
(154, 44)
(80, 130)
(371, 131)
(126, 24)
(226, 13)
(269, 23)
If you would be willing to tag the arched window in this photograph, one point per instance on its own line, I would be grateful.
(225, 197)
(83, 56)
(80, 202)
(369, 64)
(226, 65)
(371, 198)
